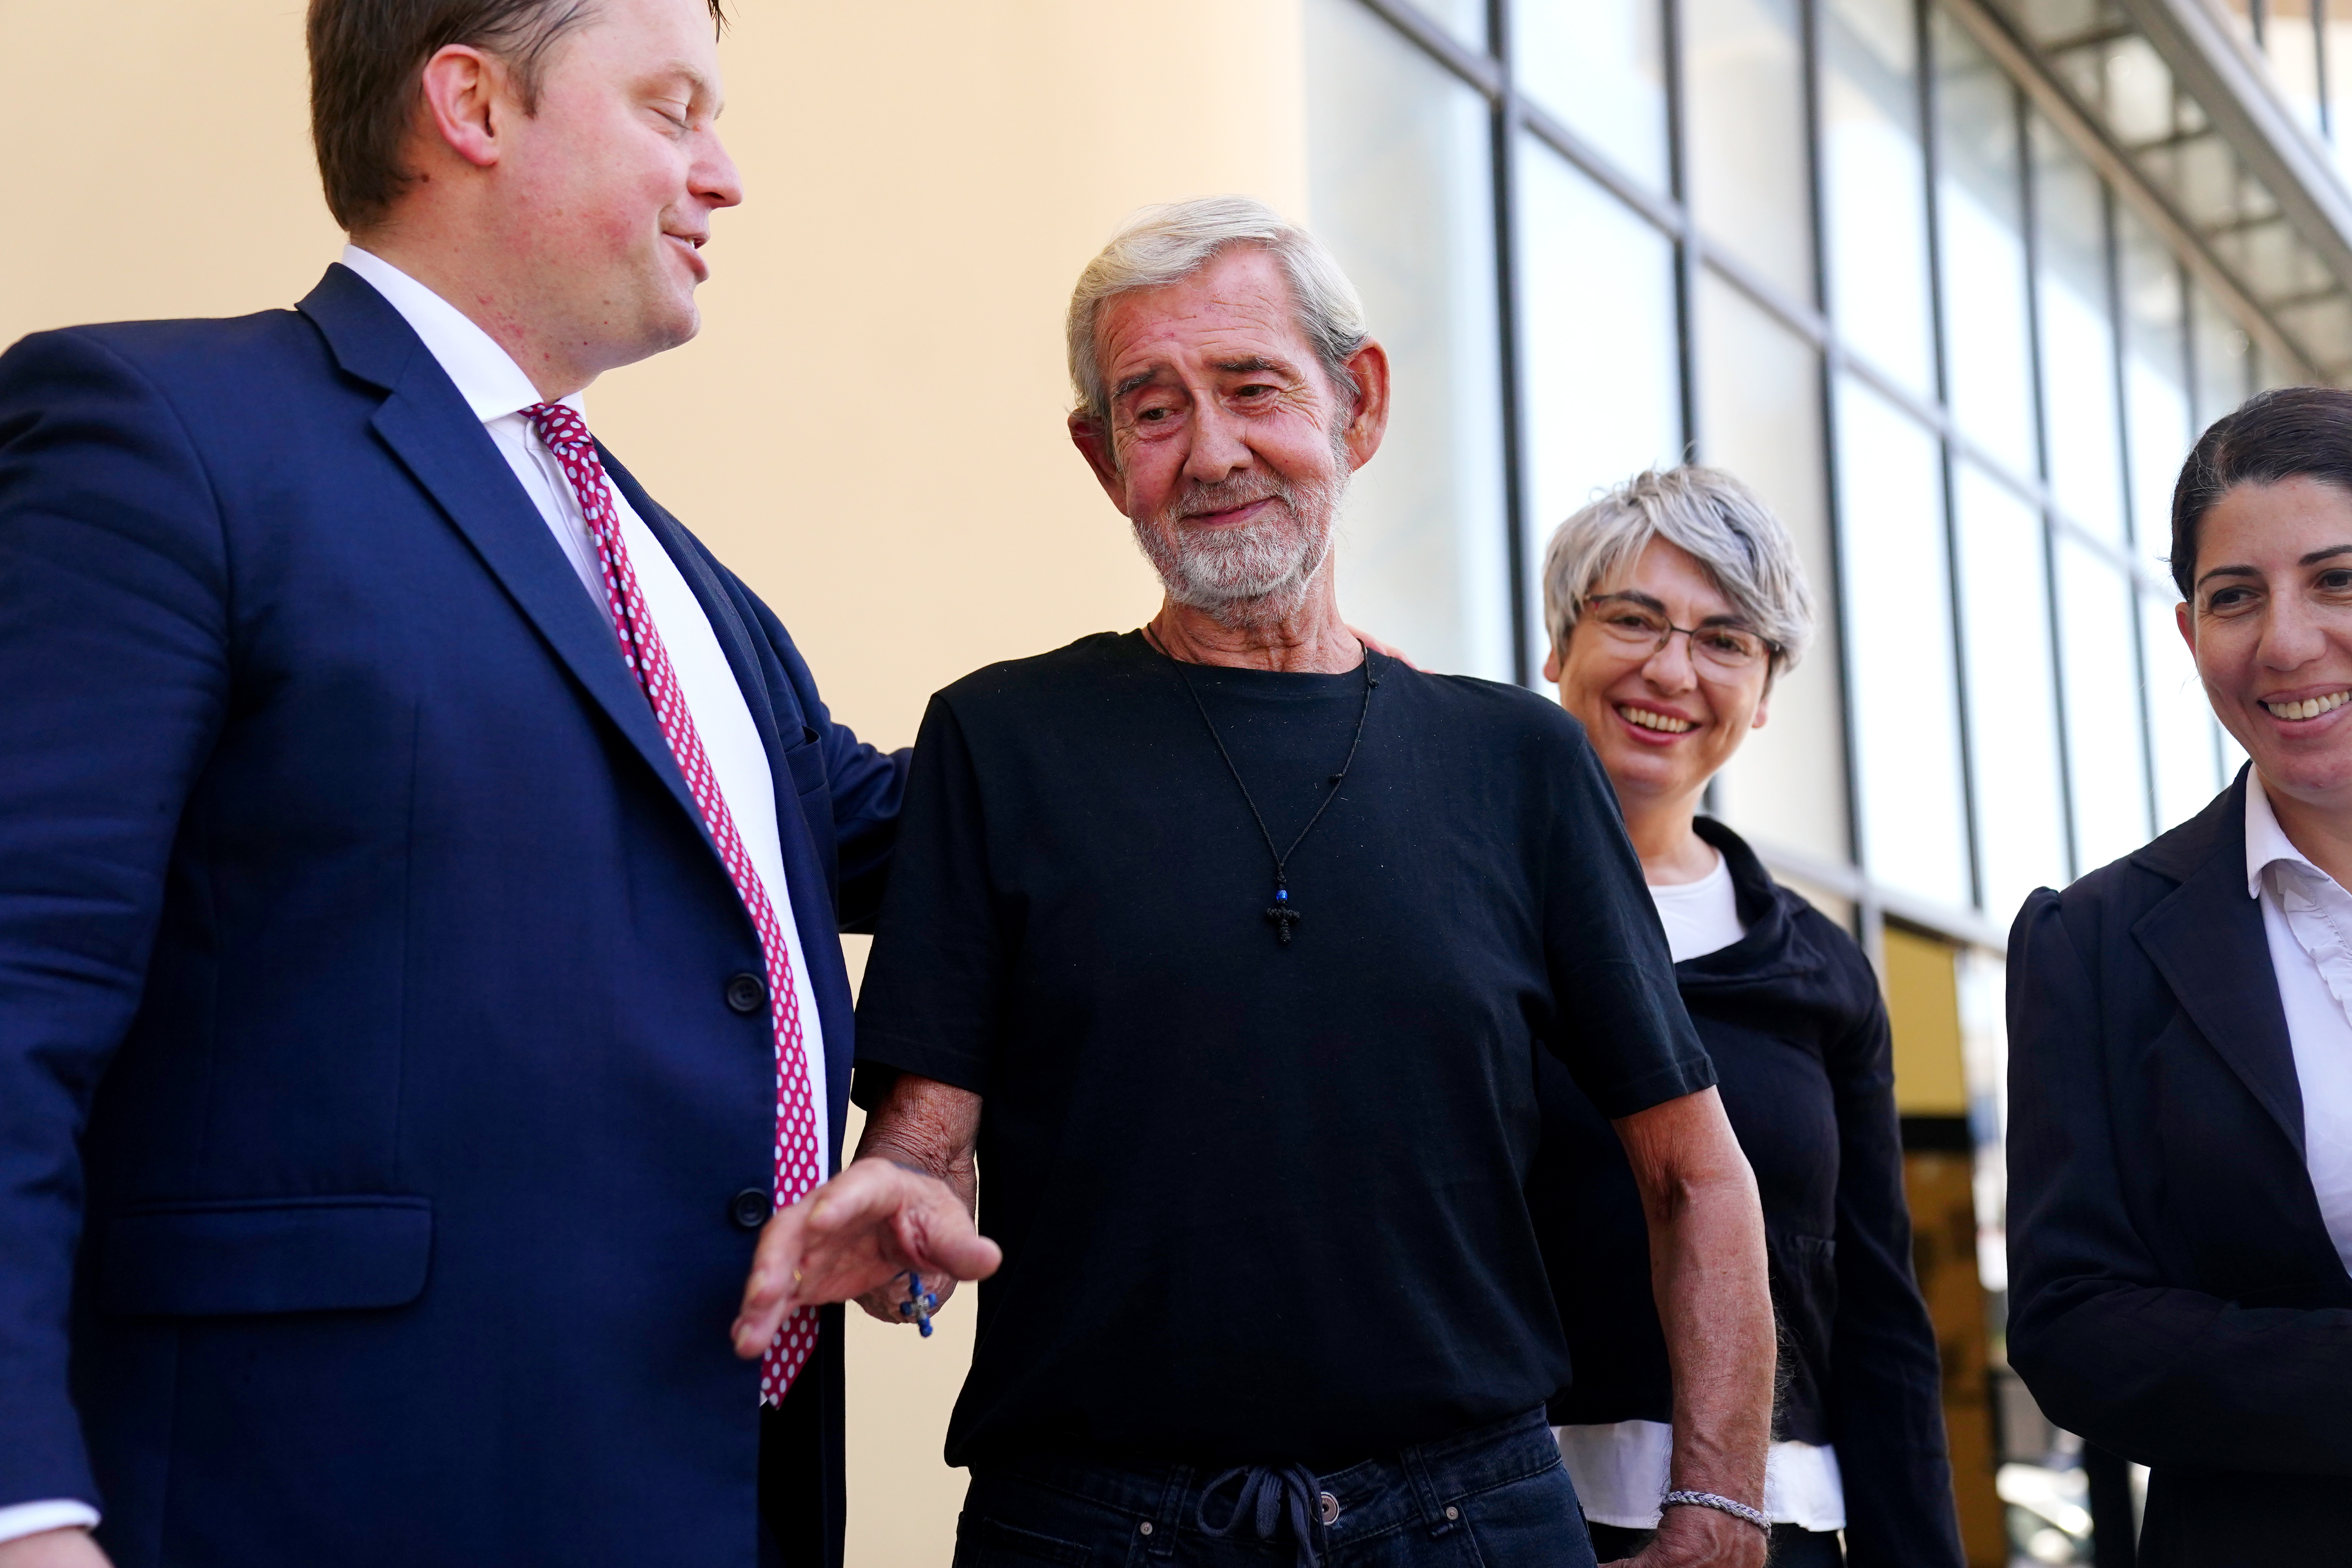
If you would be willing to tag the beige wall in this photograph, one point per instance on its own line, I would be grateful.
(869, 428)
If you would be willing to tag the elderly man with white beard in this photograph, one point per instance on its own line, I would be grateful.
(1225, 948)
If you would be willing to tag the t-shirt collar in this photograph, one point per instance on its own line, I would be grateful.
(486, 375)
(2267, 844)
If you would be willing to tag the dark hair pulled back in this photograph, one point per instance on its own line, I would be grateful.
(367, 57)
(2291, 433)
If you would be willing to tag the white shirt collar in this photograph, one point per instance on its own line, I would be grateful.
(487, 377)
(2266, 842)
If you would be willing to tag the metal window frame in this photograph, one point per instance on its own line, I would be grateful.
(2034, 93)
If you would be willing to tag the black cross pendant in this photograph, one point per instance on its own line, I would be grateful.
(1282, 915)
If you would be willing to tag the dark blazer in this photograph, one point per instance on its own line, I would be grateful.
(373, 1104)
(1792, 1014)
(2173, 1293)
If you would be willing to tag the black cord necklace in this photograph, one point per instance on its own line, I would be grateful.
(1283, 914)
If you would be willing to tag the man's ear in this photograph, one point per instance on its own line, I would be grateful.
(1551, 666)
(1370, 366)
(466, 103)
(1094, 444)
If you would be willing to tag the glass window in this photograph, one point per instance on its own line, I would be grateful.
(2180, 723)
(2224, 357)
(1874, 184)
(2098, 652)
(1465, 19)
(2078, 347)
(1599, 67)
(1400, 185)
(1602, 377)
(1980, 200)
(1899, 625)
(2293, 49)
(2336, 54)
(1750, 182)
(1759, 416)
(2139, 100)
(2012, 693)
(2156, 381)
(2272, 369)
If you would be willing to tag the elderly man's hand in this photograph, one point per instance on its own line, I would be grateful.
(850, 1237)
(1701, 1538)
(52, 1549)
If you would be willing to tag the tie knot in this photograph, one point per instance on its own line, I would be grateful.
(557, 424)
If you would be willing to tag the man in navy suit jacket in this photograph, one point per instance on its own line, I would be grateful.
(391, 1062)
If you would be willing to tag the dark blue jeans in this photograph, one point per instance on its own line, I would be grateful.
(1494, 1497)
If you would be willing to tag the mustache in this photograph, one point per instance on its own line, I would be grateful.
(1225, 495)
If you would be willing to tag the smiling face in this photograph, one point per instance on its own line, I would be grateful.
(611, 185)
(1663, 723)
(1229, 448)
(2270, 625)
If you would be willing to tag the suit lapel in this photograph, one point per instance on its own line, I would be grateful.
(429, 427)
(2206, 941)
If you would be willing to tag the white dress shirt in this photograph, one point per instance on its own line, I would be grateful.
(497, 390)
(1622, 1467)
(2308, 918)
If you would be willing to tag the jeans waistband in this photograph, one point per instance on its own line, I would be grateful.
(1424, 1484)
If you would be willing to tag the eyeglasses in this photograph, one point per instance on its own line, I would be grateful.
(1630, 624)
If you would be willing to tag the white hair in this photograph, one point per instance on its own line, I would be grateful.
(1163, 245)
(1720, 522)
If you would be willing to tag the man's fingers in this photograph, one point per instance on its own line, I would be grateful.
(945, 1243)
(768, 1293)
(939, 1238)
(849, 1238)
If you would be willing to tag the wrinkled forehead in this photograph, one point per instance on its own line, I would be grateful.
(1236, 309)
(1665, 575)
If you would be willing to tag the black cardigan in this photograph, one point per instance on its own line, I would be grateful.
(2174, 1294)
(1793, 1017)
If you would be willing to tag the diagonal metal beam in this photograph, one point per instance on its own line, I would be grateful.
(2222, 74)
(2089, 135)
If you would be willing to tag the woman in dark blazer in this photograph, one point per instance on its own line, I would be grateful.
(1673, 602)
(2180, 1067)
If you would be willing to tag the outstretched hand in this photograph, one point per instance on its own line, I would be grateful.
(851, 1237)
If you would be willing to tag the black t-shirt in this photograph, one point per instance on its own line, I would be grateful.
(1258, 1201)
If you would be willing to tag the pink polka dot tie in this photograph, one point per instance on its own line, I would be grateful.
(566, 435)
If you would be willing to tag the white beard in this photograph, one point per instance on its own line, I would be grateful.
(1255, 574)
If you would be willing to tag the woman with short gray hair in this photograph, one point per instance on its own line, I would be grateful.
(1673, 602)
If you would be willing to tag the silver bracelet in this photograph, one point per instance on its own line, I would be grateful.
(1739, 1511)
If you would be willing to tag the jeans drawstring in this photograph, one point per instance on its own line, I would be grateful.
(1267, 1492)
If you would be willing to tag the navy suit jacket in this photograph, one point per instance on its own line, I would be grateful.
(2174, 1293)
(373, 1104)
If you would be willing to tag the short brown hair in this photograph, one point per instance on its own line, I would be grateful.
(2291, 432)
(367, 57)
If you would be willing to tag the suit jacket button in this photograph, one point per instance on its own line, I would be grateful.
(749, 1208)
(747, 993)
